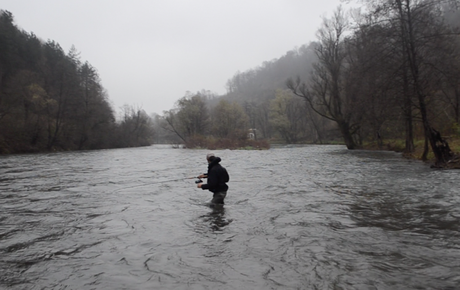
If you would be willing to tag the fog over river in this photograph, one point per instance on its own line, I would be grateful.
(296, 217)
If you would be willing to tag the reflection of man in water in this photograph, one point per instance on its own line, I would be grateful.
(217, 218)
(217, 178)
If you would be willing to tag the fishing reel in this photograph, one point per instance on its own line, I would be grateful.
(198, 181)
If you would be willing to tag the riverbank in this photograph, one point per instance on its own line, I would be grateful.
(226, 143)
(399, 146)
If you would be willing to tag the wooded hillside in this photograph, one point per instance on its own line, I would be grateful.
(50, 100)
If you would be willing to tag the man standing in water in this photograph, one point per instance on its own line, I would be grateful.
(217, 178)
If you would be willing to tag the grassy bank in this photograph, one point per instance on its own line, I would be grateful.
(398, 145)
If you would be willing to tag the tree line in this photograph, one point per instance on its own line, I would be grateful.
(50, 100)
(388, 71)
(194, 124)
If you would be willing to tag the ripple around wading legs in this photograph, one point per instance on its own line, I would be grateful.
(214, 221)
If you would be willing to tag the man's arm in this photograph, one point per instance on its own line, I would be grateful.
(212, 181)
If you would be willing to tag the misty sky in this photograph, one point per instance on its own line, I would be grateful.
(149, 53)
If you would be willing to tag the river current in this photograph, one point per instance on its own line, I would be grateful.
(295, 217)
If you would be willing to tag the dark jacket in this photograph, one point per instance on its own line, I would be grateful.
(217, 177)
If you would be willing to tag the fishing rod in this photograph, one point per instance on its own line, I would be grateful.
(158, 182)
(172, 180)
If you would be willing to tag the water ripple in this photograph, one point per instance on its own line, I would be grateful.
(296, 217)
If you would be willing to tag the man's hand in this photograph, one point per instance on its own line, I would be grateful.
(202, 176)
(199, 185)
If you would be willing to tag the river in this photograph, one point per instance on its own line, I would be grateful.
(296, 217)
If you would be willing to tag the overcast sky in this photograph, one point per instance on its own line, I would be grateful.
(149, 53)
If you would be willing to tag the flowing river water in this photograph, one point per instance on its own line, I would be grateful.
(296, 217)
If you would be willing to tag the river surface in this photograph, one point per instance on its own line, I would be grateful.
(295, 217)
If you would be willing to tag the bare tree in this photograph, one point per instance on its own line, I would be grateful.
(170, 123)
(325, 92)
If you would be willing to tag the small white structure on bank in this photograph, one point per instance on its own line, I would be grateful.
(252, 134)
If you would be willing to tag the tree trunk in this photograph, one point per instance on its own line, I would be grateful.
(440, 148)
(344, 128)
(408, 115)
